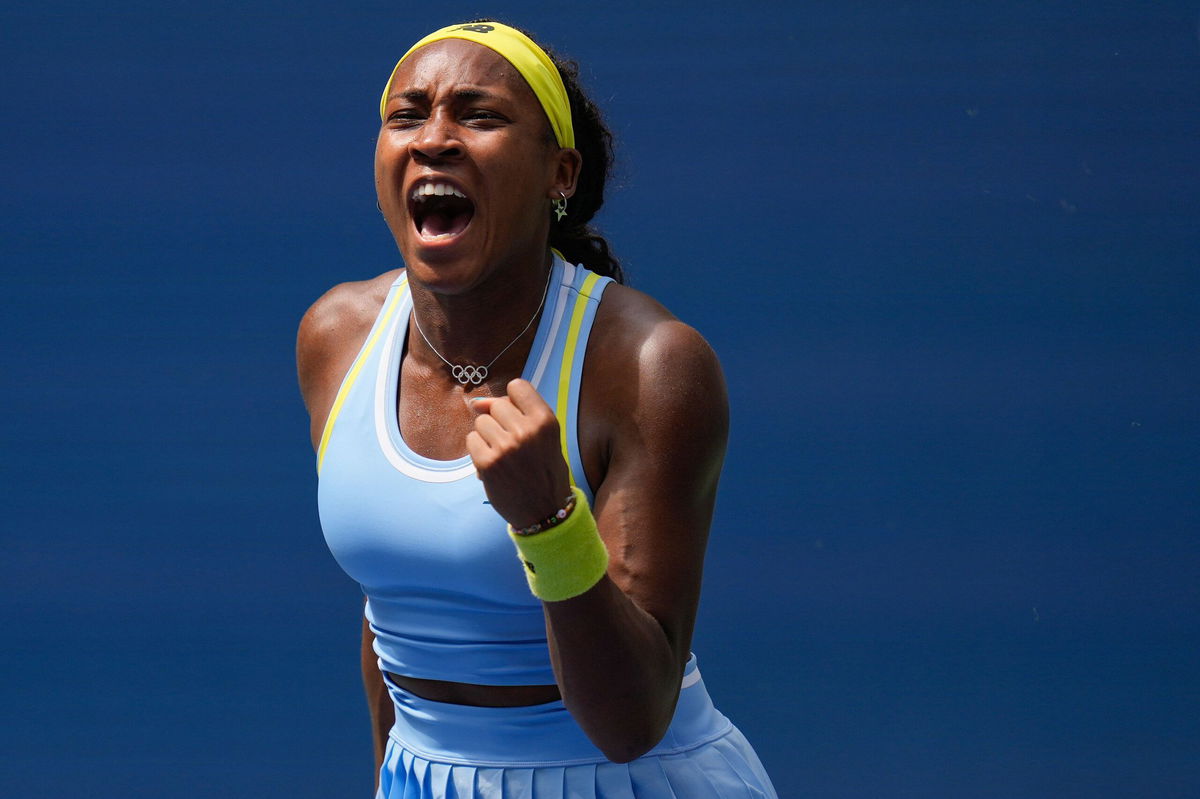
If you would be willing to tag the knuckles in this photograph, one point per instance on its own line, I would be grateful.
(527, 434)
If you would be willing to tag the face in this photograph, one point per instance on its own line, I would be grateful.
(466, 166)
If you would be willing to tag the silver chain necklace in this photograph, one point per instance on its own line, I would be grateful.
(474, 375)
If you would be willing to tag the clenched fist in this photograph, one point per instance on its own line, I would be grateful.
(515, 447)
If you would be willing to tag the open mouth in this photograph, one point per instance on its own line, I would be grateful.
(440, 210)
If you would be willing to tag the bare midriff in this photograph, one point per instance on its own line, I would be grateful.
(459, 693)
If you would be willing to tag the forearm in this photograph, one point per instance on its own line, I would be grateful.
(619, 588)
(616, 667)
(618, 654)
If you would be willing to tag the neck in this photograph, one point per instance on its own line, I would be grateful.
(473, 327)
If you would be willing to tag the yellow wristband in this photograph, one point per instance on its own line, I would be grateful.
(565, 560)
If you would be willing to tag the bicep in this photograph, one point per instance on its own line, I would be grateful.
(655, 504)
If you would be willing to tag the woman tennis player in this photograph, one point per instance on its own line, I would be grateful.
(518, 456)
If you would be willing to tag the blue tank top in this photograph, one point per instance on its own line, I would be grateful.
(446, 596)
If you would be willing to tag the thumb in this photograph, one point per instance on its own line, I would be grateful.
(481, 404)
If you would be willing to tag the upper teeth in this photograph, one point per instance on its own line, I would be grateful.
(436, 189)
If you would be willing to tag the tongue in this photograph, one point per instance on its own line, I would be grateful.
(443, 223)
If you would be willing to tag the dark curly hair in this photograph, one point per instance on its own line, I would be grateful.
(579, 242)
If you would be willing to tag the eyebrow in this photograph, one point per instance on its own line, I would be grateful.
(420, 95)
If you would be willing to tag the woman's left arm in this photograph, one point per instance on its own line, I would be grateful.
(619, 648)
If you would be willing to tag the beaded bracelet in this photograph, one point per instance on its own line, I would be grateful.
(550, 521)
(566, 560)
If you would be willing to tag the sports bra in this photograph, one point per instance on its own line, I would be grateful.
(446, 595)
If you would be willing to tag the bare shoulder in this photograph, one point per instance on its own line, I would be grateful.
(343, 309)
(331, 333)
(636, 338)
(654, 396)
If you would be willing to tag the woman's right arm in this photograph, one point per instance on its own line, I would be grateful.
(383, 713)
(330, 336)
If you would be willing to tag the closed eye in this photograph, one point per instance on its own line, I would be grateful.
(406, 117)
(483, 117)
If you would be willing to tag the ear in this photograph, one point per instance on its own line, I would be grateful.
(567, 166)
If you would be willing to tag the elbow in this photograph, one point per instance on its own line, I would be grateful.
(625, 720)
(631, 742)
(627, 752)
(625, 755)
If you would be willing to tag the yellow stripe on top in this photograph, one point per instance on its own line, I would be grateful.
(352, 375)
(568, 364)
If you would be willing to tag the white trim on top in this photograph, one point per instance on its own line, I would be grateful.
(568, 278)
(383, 417)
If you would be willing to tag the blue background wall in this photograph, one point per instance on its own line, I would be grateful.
(946, 251)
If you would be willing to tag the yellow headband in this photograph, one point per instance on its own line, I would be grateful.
(524, 54)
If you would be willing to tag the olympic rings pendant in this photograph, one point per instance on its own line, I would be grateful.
(469, 375)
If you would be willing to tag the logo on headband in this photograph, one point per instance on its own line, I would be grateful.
(476, 28)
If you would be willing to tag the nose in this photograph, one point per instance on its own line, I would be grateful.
(438, 139)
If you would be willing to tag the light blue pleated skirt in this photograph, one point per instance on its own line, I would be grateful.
(444, 751)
